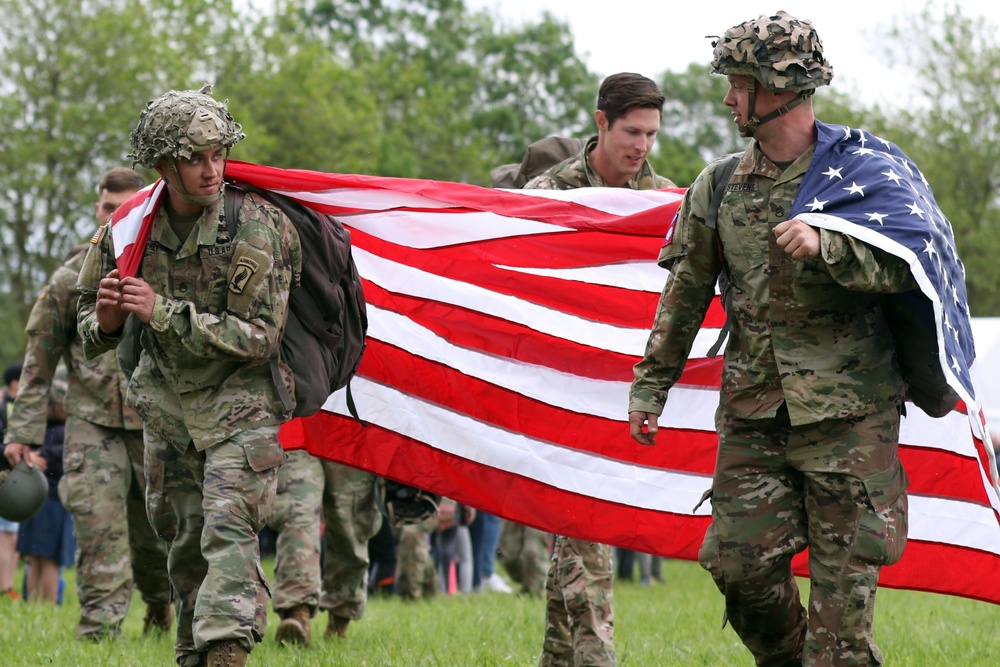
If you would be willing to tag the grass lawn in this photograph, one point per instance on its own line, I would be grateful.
(675, 623)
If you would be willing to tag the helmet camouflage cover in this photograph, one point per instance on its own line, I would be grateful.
(181, 123)
(782, 52)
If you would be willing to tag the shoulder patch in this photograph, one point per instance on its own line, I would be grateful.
(96, 238)
(670, 230)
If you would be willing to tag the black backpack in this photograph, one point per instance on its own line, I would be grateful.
(325, 334)
(327, 323)
(916, 343)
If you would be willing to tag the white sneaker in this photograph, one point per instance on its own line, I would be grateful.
(495, 583)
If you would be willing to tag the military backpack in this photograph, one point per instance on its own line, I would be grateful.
(325, 334)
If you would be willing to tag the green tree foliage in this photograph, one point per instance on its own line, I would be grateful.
(956, 138)
(696, 127)
(458, 93)
(299, 105)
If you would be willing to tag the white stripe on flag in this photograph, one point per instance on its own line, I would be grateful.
(609, 200)
(561, 467)
(638, 276)
(421, 229)
(403, 279)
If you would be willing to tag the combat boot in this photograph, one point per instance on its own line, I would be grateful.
(227, 653)
(159, 617)
(295, 627)
(337, 627)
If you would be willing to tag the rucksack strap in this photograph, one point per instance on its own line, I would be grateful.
(723, 172)
(232, 202)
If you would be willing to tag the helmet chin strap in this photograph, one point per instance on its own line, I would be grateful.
(756, 120)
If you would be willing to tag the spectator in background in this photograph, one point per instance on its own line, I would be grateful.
(46, 540)
(8, 529)
(484, 532)
(452, 546)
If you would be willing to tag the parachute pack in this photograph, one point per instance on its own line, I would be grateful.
(916, 343)
(327, 323)
(540, 155)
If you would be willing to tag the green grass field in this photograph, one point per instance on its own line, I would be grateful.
(675, 623)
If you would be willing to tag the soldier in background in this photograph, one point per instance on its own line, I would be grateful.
(212, 310)
(525, 553)
(809, 411)
(352, 519)
(297, 523)
(103, 484)
(579, 616)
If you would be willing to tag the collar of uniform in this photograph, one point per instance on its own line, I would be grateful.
(761, 165)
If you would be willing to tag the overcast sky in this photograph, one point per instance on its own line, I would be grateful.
(652, 36)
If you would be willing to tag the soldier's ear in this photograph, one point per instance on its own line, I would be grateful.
(601, 119)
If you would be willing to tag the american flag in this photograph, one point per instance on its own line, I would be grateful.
(867, 187)
(503, 327)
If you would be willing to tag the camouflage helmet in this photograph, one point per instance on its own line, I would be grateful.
(23, 491)
(181, 123)
(782, 52)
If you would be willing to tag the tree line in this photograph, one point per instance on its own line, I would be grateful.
(411, 88)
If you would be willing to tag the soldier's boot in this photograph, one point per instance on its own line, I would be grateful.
(295, 627)
(159, 617)
(227, 653)
(337, 627)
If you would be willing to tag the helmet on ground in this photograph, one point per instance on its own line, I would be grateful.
(179, 124)
(23, 491)
(782, 52)
(404, 505)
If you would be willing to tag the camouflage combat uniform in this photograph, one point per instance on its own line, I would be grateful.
(416, 575)
(102, 485)
(808, 419)
(209, 405)
(579, 619)
(525, 553)
(352, 519)
(297, 520)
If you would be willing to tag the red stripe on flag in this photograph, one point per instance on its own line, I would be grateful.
(498, 492)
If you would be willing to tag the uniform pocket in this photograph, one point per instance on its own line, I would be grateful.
(264, 455)
(742, 248)
(882, 528)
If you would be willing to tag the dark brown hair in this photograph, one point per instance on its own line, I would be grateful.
(620, 93)
(120, 179)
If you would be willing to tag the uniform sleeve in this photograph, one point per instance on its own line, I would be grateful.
(99, 262)
(50, 329)
(265, 267)
(695, 265)
(858, 266)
